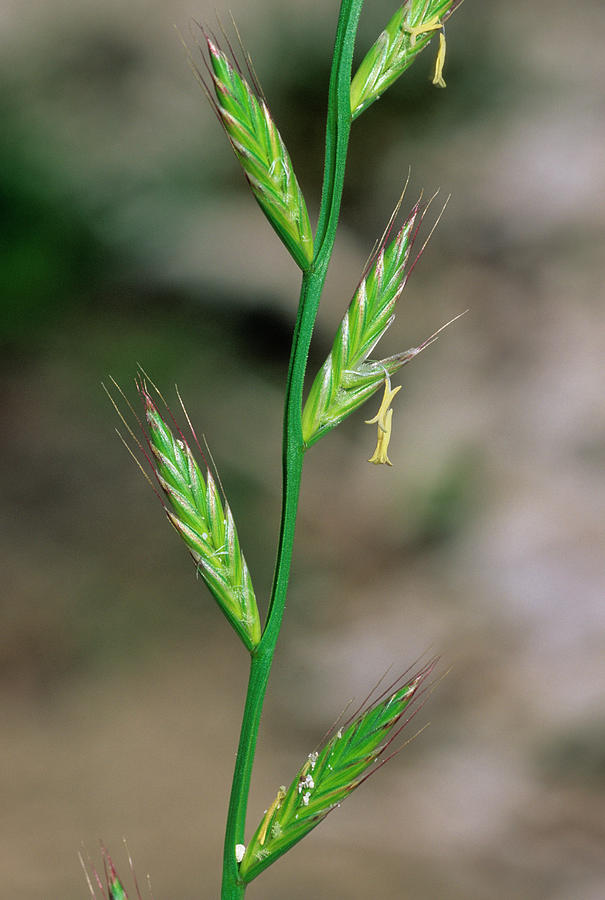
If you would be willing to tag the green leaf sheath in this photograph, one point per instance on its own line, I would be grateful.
(337, 136)
(327, 777)
(263, 156)
(396, 48)
(347, 379)
(205, 524)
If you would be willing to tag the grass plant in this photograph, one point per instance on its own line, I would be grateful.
(191, 493)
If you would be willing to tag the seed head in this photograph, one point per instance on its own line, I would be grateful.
(262, 153)
(204, 522)
(348, 378)
(347, 758)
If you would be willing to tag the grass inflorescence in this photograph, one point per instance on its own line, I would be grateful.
(189, 489)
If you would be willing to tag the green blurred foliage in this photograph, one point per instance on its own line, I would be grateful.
(575, 756)
(437, 512)
(49, 258)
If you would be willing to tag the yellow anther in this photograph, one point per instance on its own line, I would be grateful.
(387, 399)
(383, 419)
(269, 815)
(438, 79)
(379, 457)
(432, 25)
(415, 30)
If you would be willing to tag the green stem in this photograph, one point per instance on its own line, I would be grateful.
(337, 139)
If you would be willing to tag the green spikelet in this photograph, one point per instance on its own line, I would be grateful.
(261, 151)
(407, 34)
(204, 523)
(347, 378)
(329, 776)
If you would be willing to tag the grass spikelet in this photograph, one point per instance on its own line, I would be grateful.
(406, 35)
(262, 153)
(113, 889)
(330, 774)
(204, 523)
(347, 378)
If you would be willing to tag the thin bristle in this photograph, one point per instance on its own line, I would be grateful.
(423, 690)
(334, 726)
(137, 442)
(119, 411)
(395, 753)
(87, 877)
(136, 417)
(404, 722)
(105, 868)
(432, 231)
(406, 676)
(433, 337)
(147, 379)
(137, 461)
(382, 241)
(197, 72)
(215, 470)
(245, 55)
(248, 59)
(367, 701)
(398, 684)
(132, 870)
(96, 877)
(194, 435)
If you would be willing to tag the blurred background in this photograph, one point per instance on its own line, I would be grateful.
(128, 237)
